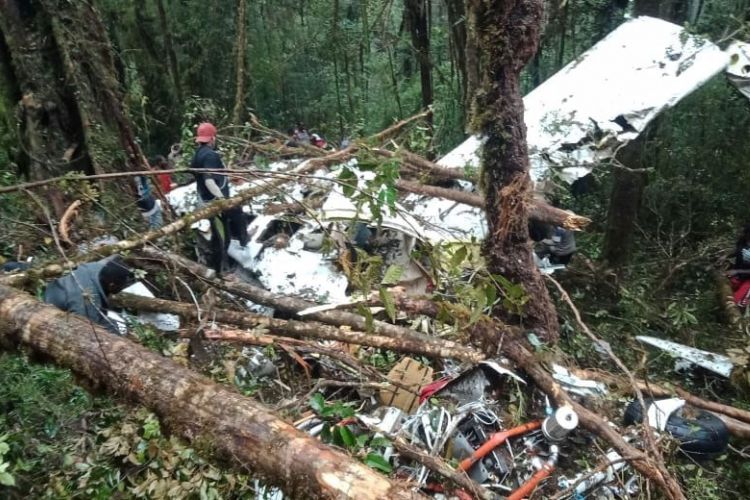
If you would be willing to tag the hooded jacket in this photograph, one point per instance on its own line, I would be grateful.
(81, 292)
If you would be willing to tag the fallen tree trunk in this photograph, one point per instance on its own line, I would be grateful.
(292, 305)
(658, 391)
(538, 210)
(192, 404)
(736, 428)
(298, 329)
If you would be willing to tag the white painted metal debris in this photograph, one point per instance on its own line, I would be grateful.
(738, 70)
(717, 363)
(607, 96)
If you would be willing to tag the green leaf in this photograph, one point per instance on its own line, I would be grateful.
(459, 256)
(348, 181)
(4, 448)
(347, 437)
(318, 402)
(6, 479)
(378, 462)
(362, 440)
(369, 320)
(392, 275)
(342, 410)
(388, 303)
(378, 442)
(491, 293)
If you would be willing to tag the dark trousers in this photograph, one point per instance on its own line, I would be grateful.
(560, 259)
(230, 224)
(219, 243)
(237, 222)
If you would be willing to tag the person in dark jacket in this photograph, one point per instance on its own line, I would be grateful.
(85, 290)
(739, 274)
(211, 186)
(556, 243)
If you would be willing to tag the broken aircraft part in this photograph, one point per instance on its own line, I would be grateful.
(584, 113)
(716, 363)
(699, 433)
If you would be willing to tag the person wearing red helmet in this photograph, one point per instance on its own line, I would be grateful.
(212, 186)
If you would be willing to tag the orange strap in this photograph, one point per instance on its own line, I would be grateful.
(496, 440)
(529, 486)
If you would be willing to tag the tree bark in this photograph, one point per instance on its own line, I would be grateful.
(49, 122)
(538, 210)
(299, 329)
(241, 41)
(507, 37)
(628, 183)
(88, 59)
(457, 24)
(174, 68)
(472, 57)
(417, 21)
(241, 429)
(71, 107)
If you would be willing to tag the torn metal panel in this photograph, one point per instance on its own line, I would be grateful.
(287, 268)
(738, 70)
(607, 96)
(717, 363)
(577, 385)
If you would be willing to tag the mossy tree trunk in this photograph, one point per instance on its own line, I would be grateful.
(507, 36)
(50, 131)
(628, 183)
(71, 110)
(241, 40)
(416, 16)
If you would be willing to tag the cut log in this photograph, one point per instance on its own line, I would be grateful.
(298, 329)
(243, 430)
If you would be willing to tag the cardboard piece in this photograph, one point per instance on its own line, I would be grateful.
(408, 373)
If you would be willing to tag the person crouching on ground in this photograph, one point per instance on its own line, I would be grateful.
(86, 289)
(556, 243)
(215, 186)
